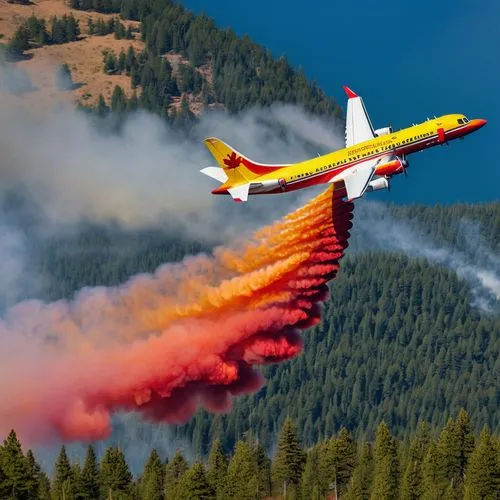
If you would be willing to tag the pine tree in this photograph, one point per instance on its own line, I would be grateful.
(412, 483)
(289, 462)
(338, 462)
(433, 475)
(465, 438)
(78, 489)
(44, 492)
(194, 484)
(263, 463)
(483, 473)
(241, 480)
(217, 468)
(90, 474)
(456, 443)
(115, 476)
(5, 489)
(34, 472)
(362, 478)
(110, 62)
(18, 43)
(102, 109)
(175, 470)
(386, 474)
(118, 100)
(152, 482)
(310, 484)
(63, 477)
(15, 467)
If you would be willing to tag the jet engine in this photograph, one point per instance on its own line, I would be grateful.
(378, 184)
(383, 131)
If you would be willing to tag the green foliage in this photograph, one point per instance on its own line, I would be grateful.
(152, 482)
(483, 473)
(412, 483)
(311, 484)
(63, 30)
(290, 458)
(242, 482)
(194, 484)
(64, 479)
(34, 31)
(16, 477)
(372, 474)
(34, 473)
(115, 476)
(118, 100)
(362, 479)
(434, 483)
(90, 474)
(102, 27)
(18, 43)
(175, 471)
(386, 473)
(217, 469)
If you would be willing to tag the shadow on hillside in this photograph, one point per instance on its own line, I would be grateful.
(21, 2)
(18, 57)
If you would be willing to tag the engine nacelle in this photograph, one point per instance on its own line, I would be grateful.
(383, 131)
(378, 184)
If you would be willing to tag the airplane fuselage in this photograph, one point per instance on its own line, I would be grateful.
(389, 149)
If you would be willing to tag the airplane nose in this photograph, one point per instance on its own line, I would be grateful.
(478, 123)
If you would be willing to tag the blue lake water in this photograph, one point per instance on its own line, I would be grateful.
(409, 61)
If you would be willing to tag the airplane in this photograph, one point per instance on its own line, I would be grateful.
(367, 163)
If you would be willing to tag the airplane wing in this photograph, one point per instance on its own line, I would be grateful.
(358, 125)
(356, 178)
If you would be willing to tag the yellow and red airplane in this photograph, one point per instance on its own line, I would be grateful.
(370, 158)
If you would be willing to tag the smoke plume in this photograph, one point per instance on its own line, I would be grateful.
(476, 263)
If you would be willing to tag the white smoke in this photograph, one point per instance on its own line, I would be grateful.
(147, 175)
(388, 233)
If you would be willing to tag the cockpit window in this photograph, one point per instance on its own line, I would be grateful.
(460, 120)
(466, 120)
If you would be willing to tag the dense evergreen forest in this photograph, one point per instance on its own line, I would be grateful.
(455, 464)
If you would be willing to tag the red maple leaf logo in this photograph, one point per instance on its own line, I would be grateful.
(232, 161)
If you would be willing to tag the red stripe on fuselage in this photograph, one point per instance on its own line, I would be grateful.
(260, 169)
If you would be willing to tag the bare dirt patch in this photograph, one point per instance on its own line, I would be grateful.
(84, 57)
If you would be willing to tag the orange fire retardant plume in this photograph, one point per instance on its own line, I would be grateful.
(166, 343)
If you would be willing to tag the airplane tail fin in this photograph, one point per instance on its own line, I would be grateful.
(236, 171)
(234, 164)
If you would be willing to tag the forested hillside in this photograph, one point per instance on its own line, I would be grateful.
(399, 339)
(163, 58)
(230, 70)
(456, 464)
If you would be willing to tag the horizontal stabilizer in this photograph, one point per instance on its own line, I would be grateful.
(240, 193)
(216, 173)
(357, 178)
